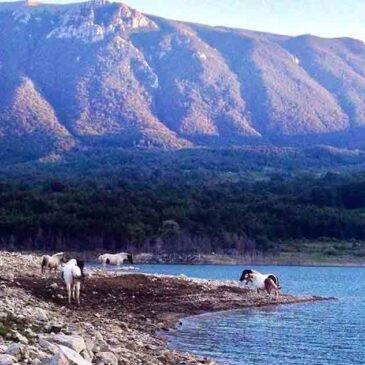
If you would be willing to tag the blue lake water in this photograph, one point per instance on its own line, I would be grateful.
(317, 333)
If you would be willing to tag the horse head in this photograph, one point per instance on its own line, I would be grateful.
(65, 258)
(130, 258)
(61, 256)
(81, 265)
(44, 264)
(246, 275)
(100, 258)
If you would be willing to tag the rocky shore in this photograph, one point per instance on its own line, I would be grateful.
(120, 319)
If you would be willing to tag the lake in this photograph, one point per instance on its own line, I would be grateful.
(316, 333)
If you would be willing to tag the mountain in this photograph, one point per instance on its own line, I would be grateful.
(103, 74)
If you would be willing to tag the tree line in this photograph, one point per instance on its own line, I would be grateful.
(226, 217)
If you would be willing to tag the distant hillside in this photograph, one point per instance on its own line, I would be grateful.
(102, 74)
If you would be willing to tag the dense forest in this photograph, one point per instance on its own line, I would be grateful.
(217, 206)
(187, 166)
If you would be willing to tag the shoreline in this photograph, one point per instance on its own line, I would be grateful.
(255, 260)
(121, 315)
(304, 264)
(176, 319)
(208, 259)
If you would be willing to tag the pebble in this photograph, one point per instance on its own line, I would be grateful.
(48, 334)
(6, 359)
(107, 358)
(66, 356)
(14, 349)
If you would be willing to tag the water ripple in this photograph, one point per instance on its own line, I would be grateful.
(326, 333)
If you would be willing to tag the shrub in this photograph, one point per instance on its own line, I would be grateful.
(331, 251)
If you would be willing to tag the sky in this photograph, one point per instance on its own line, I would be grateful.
(326, 18)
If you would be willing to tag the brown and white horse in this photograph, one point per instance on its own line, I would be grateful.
(115, 259)
(261, 282)
(52, 262)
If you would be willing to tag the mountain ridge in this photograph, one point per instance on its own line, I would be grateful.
(102, 73)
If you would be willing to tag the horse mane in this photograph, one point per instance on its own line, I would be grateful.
(45, 259)
(127, 256)
(59, 254)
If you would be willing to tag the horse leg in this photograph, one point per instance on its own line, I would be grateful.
(73, 290)
(270, 286)
(68, 288)
(77, 289)
(259, 291)
(50, 270)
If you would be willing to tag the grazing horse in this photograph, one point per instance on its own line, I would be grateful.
(72, 274)
(116, 259)
(268, 282)
(52, 262)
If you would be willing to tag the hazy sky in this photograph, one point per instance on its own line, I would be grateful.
(327, 18)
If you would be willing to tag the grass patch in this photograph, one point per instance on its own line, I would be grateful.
(4, 330)
(325, 250)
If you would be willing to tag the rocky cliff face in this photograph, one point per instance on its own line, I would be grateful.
(103, 73)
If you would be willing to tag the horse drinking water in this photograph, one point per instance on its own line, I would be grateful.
(267, 282)
(116, 259)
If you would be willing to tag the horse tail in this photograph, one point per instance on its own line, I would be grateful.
(44, 264)
(77, 275)
(277, 283)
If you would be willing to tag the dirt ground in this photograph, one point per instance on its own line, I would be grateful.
(124, 313)
(134, 298)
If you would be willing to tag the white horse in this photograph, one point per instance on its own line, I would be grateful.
(116, 259)
(72, 274)
(267, 282)
(52, 262)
